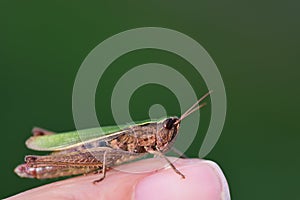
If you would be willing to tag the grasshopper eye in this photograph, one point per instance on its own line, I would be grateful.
(169, 123)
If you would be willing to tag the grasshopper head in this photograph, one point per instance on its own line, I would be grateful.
(171, 123)
(167, 134)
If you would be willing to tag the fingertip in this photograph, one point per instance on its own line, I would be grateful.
(204, 180)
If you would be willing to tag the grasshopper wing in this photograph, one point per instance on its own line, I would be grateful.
(61, 141)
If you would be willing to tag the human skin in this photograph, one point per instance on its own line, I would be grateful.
(203, 180)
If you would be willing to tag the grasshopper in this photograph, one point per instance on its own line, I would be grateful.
(100, 150)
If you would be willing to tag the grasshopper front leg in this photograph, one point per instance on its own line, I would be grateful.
(158, 153)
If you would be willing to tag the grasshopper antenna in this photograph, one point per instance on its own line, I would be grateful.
(193, 108)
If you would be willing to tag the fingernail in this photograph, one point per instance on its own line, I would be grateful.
(204, 180)
(225, 193)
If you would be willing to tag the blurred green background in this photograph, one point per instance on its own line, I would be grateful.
(255, 44)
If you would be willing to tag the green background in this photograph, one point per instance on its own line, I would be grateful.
(255, 44)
